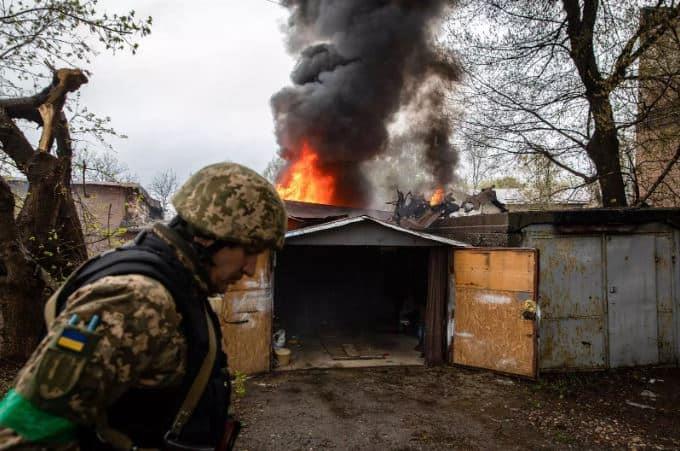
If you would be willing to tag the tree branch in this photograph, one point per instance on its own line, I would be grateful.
(539, 150)
(518, 105)
(65, 12)
(628, 56)
(14, 143)
(65, 81)
(63, 136)
(45, 105)
(580, 32)
(663, 175)
(26, 107)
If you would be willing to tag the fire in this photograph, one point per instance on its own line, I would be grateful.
(305, 181)
(437, 197)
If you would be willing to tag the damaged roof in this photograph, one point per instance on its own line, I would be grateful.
(365, 231)
(305, 210)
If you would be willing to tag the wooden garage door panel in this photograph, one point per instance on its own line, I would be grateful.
(501, 269)
(488, 334)
(247, 344)
(246, 320)
(492, 287)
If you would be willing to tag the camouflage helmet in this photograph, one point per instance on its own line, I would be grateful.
(229, 202)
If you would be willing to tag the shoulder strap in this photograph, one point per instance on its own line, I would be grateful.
(120, 441)
(200, 382)
(120, 261)
(51, 306)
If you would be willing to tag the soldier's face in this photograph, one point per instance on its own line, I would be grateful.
(230, 264)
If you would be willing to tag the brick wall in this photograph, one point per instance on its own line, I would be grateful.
(658, 132)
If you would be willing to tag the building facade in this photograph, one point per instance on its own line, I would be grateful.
(110, 213)
(658, 127)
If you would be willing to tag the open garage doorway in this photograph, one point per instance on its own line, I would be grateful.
(346, 306)
(361, 293)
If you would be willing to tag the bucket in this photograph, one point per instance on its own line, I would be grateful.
(282, 356)
(280, 338)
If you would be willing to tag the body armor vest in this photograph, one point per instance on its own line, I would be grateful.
(146, 415)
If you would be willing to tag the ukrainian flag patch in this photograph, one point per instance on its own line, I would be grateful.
(72, 340)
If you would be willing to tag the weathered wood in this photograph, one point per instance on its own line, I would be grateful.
(246, 320)
(492, 289)
(494, 270)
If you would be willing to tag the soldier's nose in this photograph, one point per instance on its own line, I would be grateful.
(249, 267)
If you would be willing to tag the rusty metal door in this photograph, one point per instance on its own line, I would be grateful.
(494, 317)
(246, 320)
(631, 295)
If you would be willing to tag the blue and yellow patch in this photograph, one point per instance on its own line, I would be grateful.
(72, 340)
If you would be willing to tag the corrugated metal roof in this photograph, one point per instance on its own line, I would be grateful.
(347, 221)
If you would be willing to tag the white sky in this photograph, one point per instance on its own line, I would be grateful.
(198, 89)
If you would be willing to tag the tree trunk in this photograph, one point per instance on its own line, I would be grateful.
(603, 147)
(46, 238)
(22, 289)
(603, 150)
(51, 229)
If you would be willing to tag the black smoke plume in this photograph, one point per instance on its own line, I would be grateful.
(360, 63)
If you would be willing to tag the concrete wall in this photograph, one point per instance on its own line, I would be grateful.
(101, 210)
(111, 214)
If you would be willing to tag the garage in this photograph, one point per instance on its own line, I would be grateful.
(362, 292)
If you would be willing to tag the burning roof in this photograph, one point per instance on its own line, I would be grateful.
(303, 214)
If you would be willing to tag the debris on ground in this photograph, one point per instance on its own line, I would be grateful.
(417, 408)
(637, 404)
(648, 394)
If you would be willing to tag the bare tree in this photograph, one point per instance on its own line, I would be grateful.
(163, 185)
(480, 163)
(274, 167)
(44, 241)
(559, 80)
(93, 166)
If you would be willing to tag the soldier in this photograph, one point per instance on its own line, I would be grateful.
(132, 358)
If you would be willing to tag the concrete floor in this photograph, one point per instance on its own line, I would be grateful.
(317, 352)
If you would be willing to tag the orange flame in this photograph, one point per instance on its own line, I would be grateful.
(437, 197)
(304, 181)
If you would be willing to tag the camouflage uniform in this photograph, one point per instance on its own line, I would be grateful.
(139, 341)
(140, 346)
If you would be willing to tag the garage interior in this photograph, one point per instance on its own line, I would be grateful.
(358, 296)
(348, 305)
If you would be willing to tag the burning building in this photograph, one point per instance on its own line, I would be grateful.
(355, 287)
(562, 290)
(362, 65)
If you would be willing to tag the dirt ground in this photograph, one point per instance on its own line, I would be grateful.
(414, 408)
